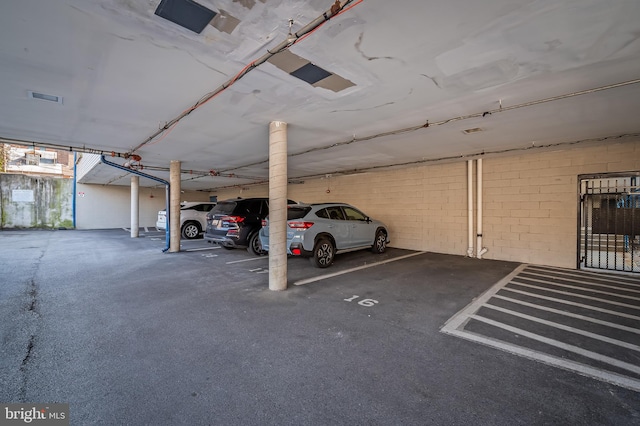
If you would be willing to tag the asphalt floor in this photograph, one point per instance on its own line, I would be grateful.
(127, 334)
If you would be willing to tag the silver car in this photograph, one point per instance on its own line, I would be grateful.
(319, 231)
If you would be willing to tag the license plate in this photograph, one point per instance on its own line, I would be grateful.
(215, 222)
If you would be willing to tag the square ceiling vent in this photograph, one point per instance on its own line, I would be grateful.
(186, 13)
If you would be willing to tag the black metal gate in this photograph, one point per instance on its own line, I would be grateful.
(609, 222)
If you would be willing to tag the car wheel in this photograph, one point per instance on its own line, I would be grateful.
(380, 242)
(323, 253)
(255, 246)
(190, 230)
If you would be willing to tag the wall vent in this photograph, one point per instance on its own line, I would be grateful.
(44, 97)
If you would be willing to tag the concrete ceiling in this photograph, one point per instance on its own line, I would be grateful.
(123, 73)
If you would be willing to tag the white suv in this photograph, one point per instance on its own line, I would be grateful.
(193, 218)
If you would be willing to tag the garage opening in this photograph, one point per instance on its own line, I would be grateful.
(609, 222)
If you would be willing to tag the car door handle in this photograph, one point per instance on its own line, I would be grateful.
(330, 226)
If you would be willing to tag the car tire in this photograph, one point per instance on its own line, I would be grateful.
(323, 253)
(380, 242)
(190, 230)
(255, 246)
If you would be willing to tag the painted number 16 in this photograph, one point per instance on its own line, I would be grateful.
(364, 302)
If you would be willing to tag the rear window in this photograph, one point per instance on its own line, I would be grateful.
(224, 207)
(250, 207)
(297, 212)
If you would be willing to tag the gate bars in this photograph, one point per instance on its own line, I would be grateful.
(609, 222)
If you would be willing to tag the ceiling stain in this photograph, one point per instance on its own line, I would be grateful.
(248, 3)
(433, 79)
(224, 22)
(364, 109)
(371, 58)
(122, 37)
(553, 44)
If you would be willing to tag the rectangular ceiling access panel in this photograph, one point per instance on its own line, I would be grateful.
(309, 72)
(186, 13)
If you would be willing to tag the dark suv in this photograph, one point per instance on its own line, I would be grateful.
(235, 223)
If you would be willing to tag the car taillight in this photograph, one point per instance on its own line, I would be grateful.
(264, 222)
(233, 219)
(296, 251)
(300, 225)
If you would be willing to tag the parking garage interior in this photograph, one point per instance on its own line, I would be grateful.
(501, 142)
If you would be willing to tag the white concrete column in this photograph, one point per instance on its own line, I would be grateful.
(277, 206)
(174, 206)
(470, 207)
(135, 206)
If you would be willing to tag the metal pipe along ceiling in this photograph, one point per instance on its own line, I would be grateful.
(284, 45)
(167, 188)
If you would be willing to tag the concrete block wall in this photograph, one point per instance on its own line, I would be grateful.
(530, 201)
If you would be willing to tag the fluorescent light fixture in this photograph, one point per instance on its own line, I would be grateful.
(44, 97)
(474, 130)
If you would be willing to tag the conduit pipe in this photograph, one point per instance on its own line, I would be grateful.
(75, 187)
(284, 45)
(135, 206)
(470, 206)
(481, 250)
(167, 188)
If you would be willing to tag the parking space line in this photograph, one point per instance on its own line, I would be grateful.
(609, 377)
(202, 249)
(357, 268)
(581, 296)
(573, 287)
(629, 290)
(604, 360)
(564, 327)
(246, 260)
(561, 345)
(580, 305)
(620, 278)
(569, 314)
(461, 317)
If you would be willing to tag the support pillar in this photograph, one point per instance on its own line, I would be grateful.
(470, 207)
(135, 206)
(277, 206)
(174, 206)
